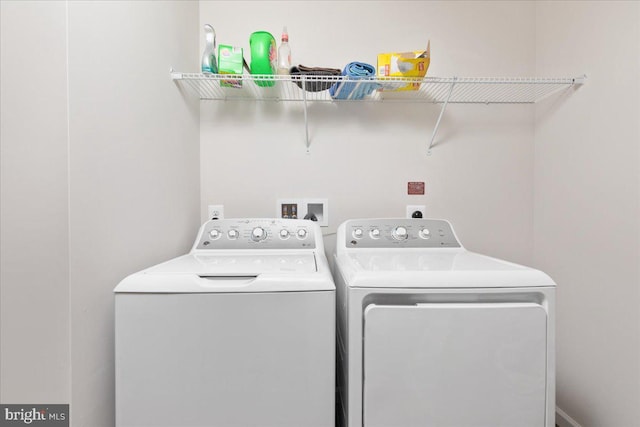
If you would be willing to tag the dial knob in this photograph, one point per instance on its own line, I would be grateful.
(358, 233)
(399, 233)
(302, 233)
(375, 233)
(233, 234)
(284, 234)
(424, 233)
(258, 234)
(214, 234)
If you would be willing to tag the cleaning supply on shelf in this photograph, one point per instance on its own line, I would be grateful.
(209, 64)
(404, 64)
(263, 56)
(231, 61)
(319, 78)
(284, 53)
(351, 89)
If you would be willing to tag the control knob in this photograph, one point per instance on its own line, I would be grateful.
(302, 233)
(424, 233)
(400, 233)
(375, 233)
(358, 233)
(258, 234)
(214, 234)
(284, 234)
(233, 234)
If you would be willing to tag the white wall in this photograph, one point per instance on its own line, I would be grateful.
(586, 216)
(125, 180)
(122, 190)
(34, 304)
(363, 155)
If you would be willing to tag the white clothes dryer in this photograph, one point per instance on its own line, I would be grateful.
(432, 335)
(240, 332)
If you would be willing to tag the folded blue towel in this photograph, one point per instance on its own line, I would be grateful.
(355, 90)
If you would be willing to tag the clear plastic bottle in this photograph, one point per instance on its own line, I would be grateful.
(209, 63)
(284, 54)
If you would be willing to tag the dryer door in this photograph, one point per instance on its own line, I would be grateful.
(458, 365)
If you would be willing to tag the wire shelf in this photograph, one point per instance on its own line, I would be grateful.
(454, 90)
(436, 90)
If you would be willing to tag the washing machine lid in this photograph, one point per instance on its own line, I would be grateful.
(431, 268)
(233, 272)
(240, 263)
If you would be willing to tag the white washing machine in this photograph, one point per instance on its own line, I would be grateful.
(239, 332)
(432, 335)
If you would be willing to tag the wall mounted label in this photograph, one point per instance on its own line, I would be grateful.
(415, 188)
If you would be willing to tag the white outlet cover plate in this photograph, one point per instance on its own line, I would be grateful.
(215, 211)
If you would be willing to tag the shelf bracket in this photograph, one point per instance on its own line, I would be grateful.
(306, 118)
(444, 107)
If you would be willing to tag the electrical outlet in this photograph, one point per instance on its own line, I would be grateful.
(314, 209)
(417, 210)
(216, 212)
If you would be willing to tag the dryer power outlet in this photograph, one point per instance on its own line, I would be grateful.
(416, 211)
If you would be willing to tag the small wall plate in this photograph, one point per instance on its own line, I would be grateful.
(303, 207)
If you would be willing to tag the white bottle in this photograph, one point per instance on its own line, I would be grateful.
(284, 54)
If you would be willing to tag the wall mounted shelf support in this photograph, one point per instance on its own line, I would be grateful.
(444, 107)
(306, 117)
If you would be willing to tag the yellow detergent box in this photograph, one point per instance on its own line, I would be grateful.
(230, 62)
(404, 64)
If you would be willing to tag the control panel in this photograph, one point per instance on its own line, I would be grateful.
(257, 234)
(400, 232)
